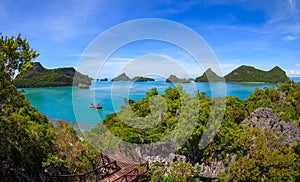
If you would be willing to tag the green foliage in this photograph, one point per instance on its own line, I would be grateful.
(25, 135)
(260, 155)
(262, 159)
(76, 155)
(173, 172)
(28, 141)
(15, 55)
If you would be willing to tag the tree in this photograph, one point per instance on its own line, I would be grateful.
(15, 55)
(25, 136)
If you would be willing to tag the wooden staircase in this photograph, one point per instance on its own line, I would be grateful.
(114, 168)
(129, 169)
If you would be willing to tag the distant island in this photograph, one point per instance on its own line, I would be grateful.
(124, 77)
(241, 74)
(103, 79)
(38, 76)
(246, 74)
(141, 79)
(213, 77)
(175, 79)
(251, 74)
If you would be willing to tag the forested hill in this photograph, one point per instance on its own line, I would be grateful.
(38, 76)
(209, 75)
(251, 74)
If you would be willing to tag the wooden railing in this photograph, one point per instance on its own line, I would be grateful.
(101, 171)
(107, 168)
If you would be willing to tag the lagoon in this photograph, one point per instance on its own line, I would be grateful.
(72, 104)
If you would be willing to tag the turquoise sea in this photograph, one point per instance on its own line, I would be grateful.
(72, 104)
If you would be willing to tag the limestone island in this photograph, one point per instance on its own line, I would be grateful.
(175, 79)
(209, 76)
(38, 76)
(124, 77)
(141, 79)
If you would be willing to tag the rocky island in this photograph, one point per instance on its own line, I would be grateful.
(124, 77)
(141, 79)
(38, 76)
(175, 79)
(213, 77)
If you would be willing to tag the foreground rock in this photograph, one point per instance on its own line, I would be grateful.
(264, 118)
(261, 118)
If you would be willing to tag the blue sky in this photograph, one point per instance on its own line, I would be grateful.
(260, 33)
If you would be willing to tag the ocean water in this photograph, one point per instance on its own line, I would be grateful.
(72, 104)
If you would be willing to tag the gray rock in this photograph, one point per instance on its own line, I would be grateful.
(37, 67)
(264, 118)
(212, 168)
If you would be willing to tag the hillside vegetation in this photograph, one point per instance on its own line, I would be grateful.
(28, 142)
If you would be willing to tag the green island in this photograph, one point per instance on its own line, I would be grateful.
(124, 77)
(213, 77)
(175, 79)
(246, 74)
(251, 74)
(38, 76)
(141, 79)
(258, 139)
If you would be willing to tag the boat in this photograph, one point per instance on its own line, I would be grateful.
(96, 106)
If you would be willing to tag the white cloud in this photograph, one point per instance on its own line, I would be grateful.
(120, 59)
(290, 38)
(293, 73)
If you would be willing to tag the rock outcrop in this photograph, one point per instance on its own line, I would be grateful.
(211, 169)
(264, 118)
(37, 67)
